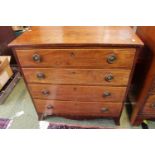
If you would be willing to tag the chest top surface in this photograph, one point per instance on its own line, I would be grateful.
(78, 36)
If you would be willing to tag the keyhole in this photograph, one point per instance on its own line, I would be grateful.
(74, 88)
(73, 72)
(72, 54)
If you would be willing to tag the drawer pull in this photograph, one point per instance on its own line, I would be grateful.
(104, 110)
(109, 77)
(106, 94)
(111, 59)
(40, 75)
(45, 92)
(36, 58)
(153, 105)
(50, 107)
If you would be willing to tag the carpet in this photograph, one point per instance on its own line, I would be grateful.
(73, 126)
(4, 123)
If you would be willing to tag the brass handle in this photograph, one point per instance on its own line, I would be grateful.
(40, 75)
(36, 58)
(49, 107)
(109, 77)
(106, 94)
(153, 105)
(111, 58)
(45, 92)
(104, 110)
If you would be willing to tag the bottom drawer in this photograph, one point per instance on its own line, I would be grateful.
(149, 107)
(75, 108)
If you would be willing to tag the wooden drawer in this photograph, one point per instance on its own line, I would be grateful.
(75, 108)
(75, 92)
(77, 76)
(152, 90)
(149, 108)
(83, 58)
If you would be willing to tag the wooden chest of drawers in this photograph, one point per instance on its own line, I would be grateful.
(78, 72)
(144, 78)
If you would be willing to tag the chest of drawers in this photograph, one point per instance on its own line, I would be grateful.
(144, 78)
(78, 72)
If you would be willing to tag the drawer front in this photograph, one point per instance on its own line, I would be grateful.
(90, 58)
(77, 76)
(152, 90)
(151, 98)
(75, 108)
(149, 108)
(78, 93)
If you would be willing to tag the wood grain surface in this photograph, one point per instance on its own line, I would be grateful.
(78, 35)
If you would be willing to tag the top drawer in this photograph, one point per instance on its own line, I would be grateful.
(83, 58)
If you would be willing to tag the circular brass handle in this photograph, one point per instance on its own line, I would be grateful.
(109, 77)
(36, 58)
(40, 75)
(45, 92)
(111, 58)
(153, 105)
(106, 94)
(49, 107)
(104, 109)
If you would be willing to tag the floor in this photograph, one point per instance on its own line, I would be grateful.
(19, 107)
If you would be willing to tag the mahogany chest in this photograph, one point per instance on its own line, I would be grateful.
(144, 78)
(78, 72)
